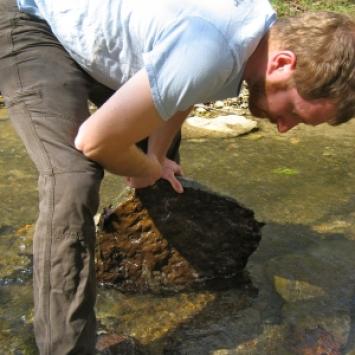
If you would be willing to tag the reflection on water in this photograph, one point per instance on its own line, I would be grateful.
(303, 297)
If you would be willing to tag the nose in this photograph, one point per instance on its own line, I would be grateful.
(285, 125)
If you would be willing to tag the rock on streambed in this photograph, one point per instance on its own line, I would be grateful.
(157, 240)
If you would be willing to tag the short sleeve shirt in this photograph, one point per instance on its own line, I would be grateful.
(192, 50)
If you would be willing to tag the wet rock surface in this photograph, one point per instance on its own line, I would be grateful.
(116, 344)
(157, 240)
(315, 342)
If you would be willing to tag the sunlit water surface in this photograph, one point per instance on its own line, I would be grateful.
(301, 185)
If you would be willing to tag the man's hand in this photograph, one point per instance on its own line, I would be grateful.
(169, 171)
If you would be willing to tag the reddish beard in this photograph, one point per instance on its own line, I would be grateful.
(257, 95)
(258, 92)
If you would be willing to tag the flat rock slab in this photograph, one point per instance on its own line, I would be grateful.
(157, 240)
(217, 127)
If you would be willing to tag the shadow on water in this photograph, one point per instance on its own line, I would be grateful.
(299, 302)
(298, 311)
(350, 345)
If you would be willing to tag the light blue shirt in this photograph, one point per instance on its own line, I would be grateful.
(193, 50)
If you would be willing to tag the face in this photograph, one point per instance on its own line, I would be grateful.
(283, 106)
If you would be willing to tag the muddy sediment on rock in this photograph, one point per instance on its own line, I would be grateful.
(157, 240)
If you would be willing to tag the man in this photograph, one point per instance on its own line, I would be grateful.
(160, 58)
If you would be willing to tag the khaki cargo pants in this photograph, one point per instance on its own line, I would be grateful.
(46, 94)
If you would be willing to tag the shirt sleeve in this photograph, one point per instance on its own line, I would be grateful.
(29, 7)
(190, 63)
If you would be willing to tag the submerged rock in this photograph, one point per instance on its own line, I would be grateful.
(118, 344)
(315, 341)
(296, 290)
(158, 240)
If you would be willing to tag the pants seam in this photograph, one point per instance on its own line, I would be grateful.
(47, 260)
(55, 173)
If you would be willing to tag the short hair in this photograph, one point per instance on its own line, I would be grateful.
(324, 45)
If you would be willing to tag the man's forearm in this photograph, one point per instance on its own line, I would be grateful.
(131, 162)
(161, 139)
(158, 144)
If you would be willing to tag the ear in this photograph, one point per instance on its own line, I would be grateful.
(281, 65)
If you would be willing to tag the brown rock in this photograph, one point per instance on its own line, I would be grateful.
(108, 344)
(315, 341)
(158, 240)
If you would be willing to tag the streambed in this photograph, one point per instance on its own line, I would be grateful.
(302, 297)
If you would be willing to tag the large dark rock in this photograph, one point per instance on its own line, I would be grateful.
(158, 240)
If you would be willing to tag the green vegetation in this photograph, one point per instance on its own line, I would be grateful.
(292, 7)
(286, 171)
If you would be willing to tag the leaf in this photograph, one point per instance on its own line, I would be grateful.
(285, 171)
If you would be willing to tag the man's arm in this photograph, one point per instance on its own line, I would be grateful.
(161, 139)
(158, 145)
(109, 135)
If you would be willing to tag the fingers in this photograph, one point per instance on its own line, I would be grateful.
(176, 185)
(178, 170)
(170, 170)
(170, 164)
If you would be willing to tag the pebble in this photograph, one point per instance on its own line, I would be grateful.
(200, 110)
(218, 104)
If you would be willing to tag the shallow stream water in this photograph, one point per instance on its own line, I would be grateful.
(302, 297)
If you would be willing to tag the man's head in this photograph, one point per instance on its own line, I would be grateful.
(309, 73)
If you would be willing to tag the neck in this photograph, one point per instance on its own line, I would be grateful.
(257, 63)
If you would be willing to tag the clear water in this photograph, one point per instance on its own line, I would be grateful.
(300, 184)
